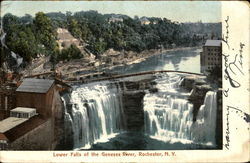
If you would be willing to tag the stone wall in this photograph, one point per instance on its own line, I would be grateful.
(40, 138)
(133, 109)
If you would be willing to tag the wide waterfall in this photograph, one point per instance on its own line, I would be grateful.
(96, 113)
(169, 115)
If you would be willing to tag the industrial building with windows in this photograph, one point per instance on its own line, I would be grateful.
(211, 55)
(33, 118)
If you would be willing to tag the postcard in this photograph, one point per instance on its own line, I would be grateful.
(124, 81)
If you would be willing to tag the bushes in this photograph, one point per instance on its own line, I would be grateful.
(69, 53)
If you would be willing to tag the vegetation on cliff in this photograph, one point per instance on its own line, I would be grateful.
(29, 36)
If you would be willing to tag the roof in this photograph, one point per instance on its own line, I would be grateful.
(23, 128)
(10, 123)
(144, 19)
(23, 110)
(35, 85)
(213, 43)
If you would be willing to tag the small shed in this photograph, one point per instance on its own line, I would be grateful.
(36, 93)
(22, 112)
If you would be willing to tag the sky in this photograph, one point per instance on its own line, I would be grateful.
(184, 11)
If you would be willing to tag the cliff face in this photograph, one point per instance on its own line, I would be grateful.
(199, 88)
(133, 92)
(133, 109)
(57, 117)
(66, 138)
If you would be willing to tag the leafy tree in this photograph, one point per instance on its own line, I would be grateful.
(23, 42)
(45, 33)
(69, 53)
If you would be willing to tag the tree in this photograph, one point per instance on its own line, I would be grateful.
(22, 41)
(45, 34)
(69, 53)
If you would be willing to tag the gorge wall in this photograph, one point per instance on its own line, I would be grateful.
(128, 95)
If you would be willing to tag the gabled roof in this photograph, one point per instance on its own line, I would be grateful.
(35, 85)
(213, 43)
(144, 19)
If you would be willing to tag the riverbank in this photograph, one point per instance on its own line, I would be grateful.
(109, 60)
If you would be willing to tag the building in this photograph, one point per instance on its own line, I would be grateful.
(211, 55)
(25, 130)
(36, 93)
(37, 117)
(21, 112)
(65, 39)
(144, 21)
(7, 99)
(115, 19)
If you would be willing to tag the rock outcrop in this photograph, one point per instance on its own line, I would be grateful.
(133, 109)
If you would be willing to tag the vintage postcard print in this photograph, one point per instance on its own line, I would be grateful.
(124, 81)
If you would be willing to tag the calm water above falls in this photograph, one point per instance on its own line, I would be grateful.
(180, 60)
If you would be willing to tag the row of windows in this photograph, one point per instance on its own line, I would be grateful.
(213, 63)
(22, 115)
(216, 50)
(214, 58)
(210, 68)
(214, 54)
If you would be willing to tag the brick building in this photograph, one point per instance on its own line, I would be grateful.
(36, 93)
(211, 55)
(36, 118)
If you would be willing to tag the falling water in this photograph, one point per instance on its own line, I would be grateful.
(169, 115)
(205, 126)
(96, 114)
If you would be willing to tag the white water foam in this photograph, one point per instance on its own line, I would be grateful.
(169, 115)
(97, 114)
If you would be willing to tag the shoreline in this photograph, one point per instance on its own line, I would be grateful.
(73, 68)
(150, 53)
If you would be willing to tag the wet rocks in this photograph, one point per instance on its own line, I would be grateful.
(190, 81)
(133, 109)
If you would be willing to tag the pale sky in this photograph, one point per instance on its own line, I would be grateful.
(185, 11)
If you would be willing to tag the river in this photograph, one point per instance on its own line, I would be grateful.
(179, 60)
(96, 118)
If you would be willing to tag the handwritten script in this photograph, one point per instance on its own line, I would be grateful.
(233, 68)
(233, 71)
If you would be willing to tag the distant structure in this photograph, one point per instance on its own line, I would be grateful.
(144, 21)
(34, 124)
(7, 99)
(211, 55)
(65, 39)
(115, 19)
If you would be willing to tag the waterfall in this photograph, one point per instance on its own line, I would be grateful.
(96, 113)
(168, 115)
(204, 128)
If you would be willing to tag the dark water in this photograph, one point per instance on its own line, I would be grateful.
(140, 141)
(180, 60)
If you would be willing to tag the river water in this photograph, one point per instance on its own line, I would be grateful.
(96, 118)
(179, 60)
